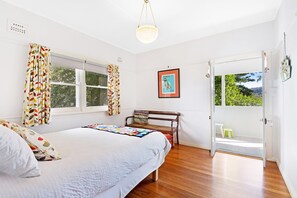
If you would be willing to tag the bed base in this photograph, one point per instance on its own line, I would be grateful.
(155, 175)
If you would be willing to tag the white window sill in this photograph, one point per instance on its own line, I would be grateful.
(77, 110)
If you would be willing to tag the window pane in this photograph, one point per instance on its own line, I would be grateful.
(96, 97)
(63, 96)
(62, 74)
(244, 89)
(96, 79)
(218, 90)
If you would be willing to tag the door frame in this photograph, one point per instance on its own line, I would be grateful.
(212, 109)
(264, 106)
(212, 63)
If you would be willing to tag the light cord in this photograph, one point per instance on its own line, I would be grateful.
(145, 4)
(285, 44)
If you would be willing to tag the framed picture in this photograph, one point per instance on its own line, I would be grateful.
(168, 84)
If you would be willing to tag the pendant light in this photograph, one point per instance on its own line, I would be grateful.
(147, 33)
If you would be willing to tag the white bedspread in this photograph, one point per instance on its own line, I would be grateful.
(92, 162)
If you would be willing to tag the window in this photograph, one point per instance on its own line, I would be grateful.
(96, 85)
(77, 86)
(239, 89)
(64, 85)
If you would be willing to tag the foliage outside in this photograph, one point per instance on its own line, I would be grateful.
(65, 95)
(218, 90)
(236, 91)
(96, 96)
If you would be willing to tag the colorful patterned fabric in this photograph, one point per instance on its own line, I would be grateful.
(141, 117)
(36, 110)
(137, 132)
(42, 148)
(113, 90)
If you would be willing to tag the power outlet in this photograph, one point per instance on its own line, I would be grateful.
(13, 26)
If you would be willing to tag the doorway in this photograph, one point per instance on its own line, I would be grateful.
(237, 105)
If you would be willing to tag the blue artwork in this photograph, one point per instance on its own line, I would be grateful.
(168, 84)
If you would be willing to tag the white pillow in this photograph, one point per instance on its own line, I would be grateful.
(16, 157)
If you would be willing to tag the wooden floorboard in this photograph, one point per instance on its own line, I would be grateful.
(191, 172)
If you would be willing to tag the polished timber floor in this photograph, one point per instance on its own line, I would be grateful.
(191, 172)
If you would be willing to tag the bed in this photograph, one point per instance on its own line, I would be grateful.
(94, 164)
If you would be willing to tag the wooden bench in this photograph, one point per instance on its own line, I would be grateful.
(173, 118)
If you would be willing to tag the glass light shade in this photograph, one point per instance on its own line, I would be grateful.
(147, 33)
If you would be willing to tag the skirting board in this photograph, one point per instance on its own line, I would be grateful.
(287, 181)
(193, 145)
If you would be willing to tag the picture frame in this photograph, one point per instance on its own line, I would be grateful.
(169, 83)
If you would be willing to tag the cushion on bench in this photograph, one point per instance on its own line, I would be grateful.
(141, 117)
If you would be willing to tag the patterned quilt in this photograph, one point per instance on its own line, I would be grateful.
(137, 132)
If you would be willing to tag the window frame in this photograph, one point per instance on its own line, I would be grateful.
(81, 95)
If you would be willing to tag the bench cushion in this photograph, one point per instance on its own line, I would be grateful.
(141, 117)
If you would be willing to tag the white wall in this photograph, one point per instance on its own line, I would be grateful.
(285, 96)
(14, 53)
(244, 121)
(191, 58)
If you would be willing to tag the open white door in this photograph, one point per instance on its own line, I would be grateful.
(264, 119)
(212, 109)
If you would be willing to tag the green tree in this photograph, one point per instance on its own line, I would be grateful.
(236, 94)
(96, 96)
(62, 95)
(218, 90)
(65, 95)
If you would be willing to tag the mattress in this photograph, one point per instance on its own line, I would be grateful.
(92, 162)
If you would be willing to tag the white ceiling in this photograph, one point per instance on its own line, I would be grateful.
(115, 21)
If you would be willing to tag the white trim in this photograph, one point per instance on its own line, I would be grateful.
(235, 58)
(95, 108)
(67, 110)
(78, 88)
(98, 87)
(88, 110)
(212, 109)
(194, 145)
(62, 83)
(264, 94)
(288, 183)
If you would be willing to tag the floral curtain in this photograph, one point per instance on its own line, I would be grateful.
(113, 90)
(36, 109)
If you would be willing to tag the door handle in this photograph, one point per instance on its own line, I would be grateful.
(264, 120)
